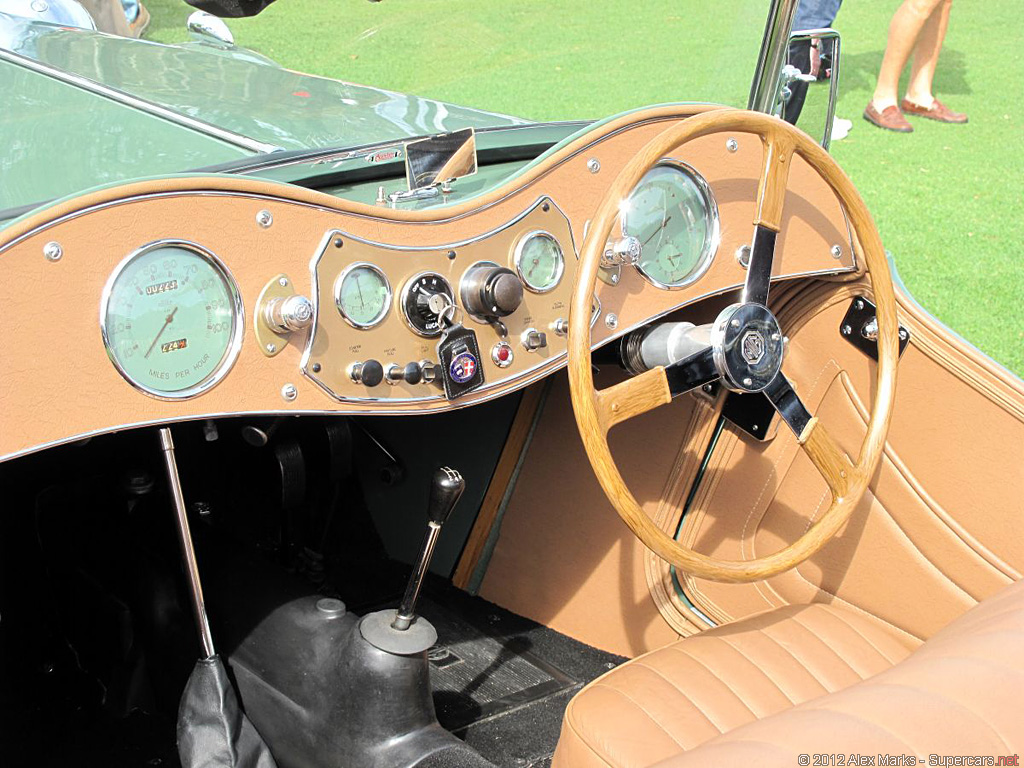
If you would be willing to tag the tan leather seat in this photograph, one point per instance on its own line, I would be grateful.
(736, 695)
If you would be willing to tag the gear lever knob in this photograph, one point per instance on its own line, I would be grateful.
(446, 488)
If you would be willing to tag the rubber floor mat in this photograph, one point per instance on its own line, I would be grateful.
(477, 675)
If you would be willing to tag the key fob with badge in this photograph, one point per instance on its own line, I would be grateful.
(458, 353)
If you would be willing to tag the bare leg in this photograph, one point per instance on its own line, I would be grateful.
(906, 26)
(926, 56)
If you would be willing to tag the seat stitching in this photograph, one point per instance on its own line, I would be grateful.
(799, 662)
(643, 709)
(717, 677)
(796, 620)
(839, 617)
(764, 674)
(686, 696)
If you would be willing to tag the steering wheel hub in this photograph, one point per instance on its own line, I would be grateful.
(747, 345)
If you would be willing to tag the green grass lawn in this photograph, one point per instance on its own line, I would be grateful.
(947, 199)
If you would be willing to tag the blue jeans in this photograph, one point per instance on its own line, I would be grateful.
(131, 10)
(814, 14)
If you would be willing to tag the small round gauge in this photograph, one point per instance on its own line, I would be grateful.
(538, 260)
(673, 214)
(362, 294)
(414, 301)
(171, 319)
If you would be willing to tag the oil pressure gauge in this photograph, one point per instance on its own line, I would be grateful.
(171, 319)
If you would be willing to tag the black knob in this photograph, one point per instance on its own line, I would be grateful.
(370, 373)
(445, 490)
(491, 291)
(413, 374)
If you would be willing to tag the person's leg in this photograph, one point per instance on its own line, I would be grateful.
(906, 26)
(926, 55)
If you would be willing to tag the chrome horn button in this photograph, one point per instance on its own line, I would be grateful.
(747, 346)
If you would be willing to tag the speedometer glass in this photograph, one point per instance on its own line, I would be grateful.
(171, 319)
(363, 295)
(673, 215)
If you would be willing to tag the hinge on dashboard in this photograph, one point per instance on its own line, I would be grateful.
(860, 328)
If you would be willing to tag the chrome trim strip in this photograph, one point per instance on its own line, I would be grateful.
(714, 240)
(226, 362)
(340, 304)
(136, 102)
(517, 256)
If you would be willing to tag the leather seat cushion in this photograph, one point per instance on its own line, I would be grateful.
(959, 694)
(672, 700)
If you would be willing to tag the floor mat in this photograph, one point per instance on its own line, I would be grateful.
(476, 676)
(501, 681)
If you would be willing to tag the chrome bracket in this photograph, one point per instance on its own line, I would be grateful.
(860, 327)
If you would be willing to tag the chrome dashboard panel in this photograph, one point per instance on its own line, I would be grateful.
(58, 385)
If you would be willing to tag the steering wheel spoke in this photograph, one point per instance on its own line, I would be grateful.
(779, 146)
(632, 397)
(786, 401)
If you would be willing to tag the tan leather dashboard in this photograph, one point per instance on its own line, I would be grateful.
(57, 382)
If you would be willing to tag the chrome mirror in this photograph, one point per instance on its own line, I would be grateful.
(440, 159)
(809, 82)
(207, 28)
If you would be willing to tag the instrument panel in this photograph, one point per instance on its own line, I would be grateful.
(186, 297)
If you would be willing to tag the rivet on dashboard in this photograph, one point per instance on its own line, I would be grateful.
(450, 255)
(732, 145)
(338, 242)
(264, 218)
(271, 348)
(316, 367)
(837, 251)
(611, 320)
(283, 282)
(289, 392)
(593, 165)
(546, 207)
(52, 251)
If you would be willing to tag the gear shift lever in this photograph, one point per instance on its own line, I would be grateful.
(445, 490)
(399, 631)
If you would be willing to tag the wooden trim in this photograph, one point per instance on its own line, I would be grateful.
(515, 444)
(591, 419)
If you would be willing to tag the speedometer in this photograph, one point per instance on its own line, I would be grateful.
(171, 319)
(673, 214)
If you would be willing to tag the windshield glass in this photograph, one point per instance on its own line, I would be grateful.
(196, 104)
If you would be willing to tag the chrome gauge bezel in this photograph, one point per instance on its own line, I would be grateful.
(337, 295)
(714, 239)
(517, 256)
(234, 347)
(405, 295)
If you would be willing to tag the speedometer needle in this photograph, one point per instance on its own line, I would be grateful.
(663, 225)
(160, 332)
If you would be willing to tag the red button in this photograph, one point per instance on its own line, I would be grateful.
(503, 353)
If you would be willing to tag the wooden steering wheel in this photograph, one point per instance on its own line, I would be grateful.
(746, 347)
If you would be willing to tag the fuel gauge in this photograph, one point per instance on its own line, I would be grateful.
(362, 294)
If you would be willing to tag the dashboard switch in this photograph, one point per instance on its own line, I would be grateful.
(488, 290)
(502, 355)
(560, 327)
(412, 373)
(533, 340)
(370, 373)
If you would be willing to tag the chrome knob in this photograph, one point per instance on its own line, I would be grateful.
(560, 327)
(624, 251)
(289, 314)
(488, 290)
